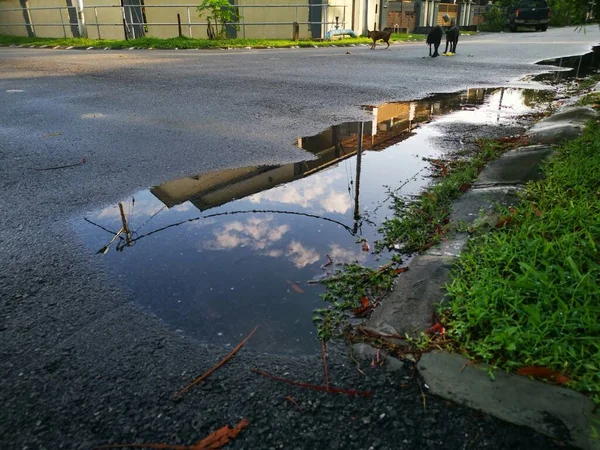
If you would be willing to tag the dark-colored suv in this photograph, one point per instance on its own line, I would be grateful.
(528, 13)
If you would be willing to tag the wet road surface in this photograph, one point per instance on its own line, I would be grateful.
(81, 363)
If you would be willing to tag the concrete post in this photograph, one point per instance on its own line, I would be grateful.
(471, 11)
(462, 13)
(435, 9)
(423, 13)
(81, 25)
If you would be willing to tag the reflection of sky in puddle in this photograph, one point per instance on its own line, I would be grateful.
(225, 265)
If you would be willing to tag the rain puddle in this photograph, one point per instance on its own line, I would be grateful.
(572, 67)
(215, 254)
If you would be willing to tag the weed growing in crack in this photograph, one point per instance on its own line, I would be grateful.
(354, 290)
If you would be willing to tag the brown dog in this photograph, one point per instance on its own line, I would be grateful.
(380, 36)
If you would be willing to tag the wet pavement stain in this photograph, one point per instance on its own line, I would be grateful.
(215, 254)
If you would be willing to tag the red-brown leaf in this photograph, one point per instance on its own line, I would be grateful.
(400, 270)
(503, 221)
(465, 187)
(213, 441)
(295, 287)
(221, 437)
(544, 372)
(364, 309)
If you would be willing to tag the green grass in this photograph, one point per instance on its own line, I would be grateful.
(186, 43)
(591, 99)
(529, 294)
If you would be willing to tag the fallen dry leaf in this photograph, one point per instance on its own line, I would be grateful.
(365, 307)
(400, 270)
(543, 372)
(295, 287)
(221, 437)
(213, 441)
(365, 246)
(503, 221)
(465, 187)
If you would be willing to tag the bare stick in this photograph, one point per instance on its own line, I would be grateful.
(220, 364)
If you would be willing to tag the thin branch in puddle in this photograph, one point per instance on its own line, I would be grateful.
(324, 357)
(422, 395)
(290, 399)
(220, 364)
(314, 387)
(356, 362)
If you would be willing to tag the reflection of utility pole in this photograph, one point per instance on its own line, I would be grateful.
(500, 104)
(125, 226)
(358, 164)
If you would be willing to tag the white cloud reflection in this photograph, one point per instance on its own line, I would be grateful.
(257, 233)
(265, 237)
(342, 255)
(316, 192)
(302, 256)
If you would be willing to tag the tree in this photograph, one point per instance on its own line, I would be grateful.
(563, 12)
(571, 12)
(222, 13)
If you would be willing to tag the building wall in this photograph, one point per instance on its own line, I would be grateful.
(53, 16)
(283, 14)
(110, 15)
(401, 14)
(111, 26)
(450, 9)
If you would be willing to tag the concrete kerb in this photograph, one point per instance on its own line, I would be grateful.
(557, 412)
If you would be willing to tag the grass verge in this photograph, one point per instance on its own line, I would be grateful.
(187, 43)
(528, 294)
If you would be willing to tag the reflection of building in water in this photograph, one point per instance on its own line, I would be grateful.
(391, 123)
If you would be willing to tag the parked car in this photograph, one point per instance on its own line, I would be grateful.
(528, 13)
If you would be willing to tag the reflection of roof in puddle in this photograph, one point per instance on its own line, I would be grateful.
(391, 123)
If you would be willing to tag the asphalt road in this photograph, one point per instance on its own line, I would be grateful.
(80, 364)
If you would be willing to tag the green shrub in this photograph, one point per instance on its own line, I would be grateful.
(494, 19)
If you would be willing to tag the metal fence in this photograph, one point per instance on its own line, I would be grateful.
(134, 24)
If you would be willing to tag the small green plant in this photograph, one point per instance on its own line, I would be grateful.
(348, 290)
(221, 12)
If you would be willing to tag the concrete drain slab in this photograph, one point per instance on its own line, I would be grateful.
(557, 412)
(408, 307)
(483, 201)
(564, 125)
(515, 167)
